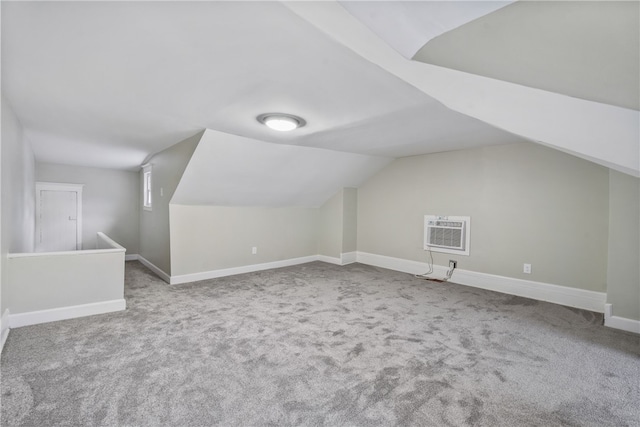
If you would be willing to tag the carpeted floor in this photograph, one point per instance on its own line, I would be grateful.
(319, 344)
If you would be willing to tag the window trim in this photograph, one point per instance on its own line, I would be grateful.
(147, 187)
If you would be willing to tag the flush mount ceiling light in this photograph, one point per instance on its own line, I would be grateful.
(281, 122)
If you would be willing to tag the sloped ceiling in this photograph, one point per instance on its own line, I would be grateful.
(109, 83)
(409, 25)
(596, 131)
(585, 49)
(132, 78)
(230, 170)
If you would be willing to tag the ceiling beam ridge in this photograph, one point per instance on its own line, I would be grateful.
(605, 134)
(389, 115)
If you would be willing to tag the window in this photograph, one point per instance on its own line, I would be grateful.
(146, 194)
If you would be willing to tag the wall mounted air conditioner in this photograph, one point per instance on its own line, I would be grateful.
(448, 234)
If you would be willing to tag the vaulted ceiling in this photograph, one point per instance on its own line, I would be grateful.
(231, 170)
(108, 83)
(585, 49)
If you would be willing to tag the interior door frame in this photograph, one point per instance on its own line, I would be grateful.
(59, 186)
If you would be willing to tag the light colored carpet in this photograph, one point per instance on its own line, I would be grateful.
(319, 344)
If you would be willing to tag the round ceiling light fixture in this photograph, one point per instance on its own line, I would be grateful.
(281, 122)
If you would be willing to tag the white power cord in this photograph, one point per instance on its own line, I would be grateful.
(449, 273)
(425, 276)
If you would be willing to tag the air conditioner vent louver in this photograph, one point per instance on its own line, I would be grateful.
(447, 234)
(446, 237)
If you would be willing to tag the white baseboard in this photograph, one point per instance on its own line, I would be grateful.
(164, 276)
(617, 322)
(132, 257)
(205, 275)
(563, 295)
(329, 259)
(397, 264)
(345, 258)
(4, 328)
(349, 257)
(63, 313)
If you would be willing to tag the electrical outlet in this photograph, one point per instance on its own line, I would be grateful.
(453, 263)
(254, 250)
(527, 269)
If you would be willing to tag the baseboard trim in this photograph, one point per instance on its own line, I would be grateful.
(349, 257)
(345, 258)
(164, 276)
(4, 328)
(214, 274)
(563, 295)
(63, 313)
(397, 264)
(329, 259)
(616, 322)
(132, 257)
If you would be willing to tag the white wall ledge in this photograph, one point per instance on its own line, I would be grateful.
(114, 247)
(64, 253)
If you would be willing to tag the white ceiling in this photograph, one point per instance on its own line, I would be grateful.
(409, 25)
(229, 170)
(585, 49)
(107, 84)
(599, 132)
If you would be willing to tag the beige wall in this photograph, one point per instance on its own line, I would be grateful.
(53, 281)
(206, 238)
(349, 220)
(623, 274)
(337, 224)
(167, 168)
(330, 219)
(18, 196)
(527, 203)
(18, 184)
(110, 201)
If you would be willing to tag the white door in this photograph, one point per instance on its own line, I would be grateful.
(58, 217)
